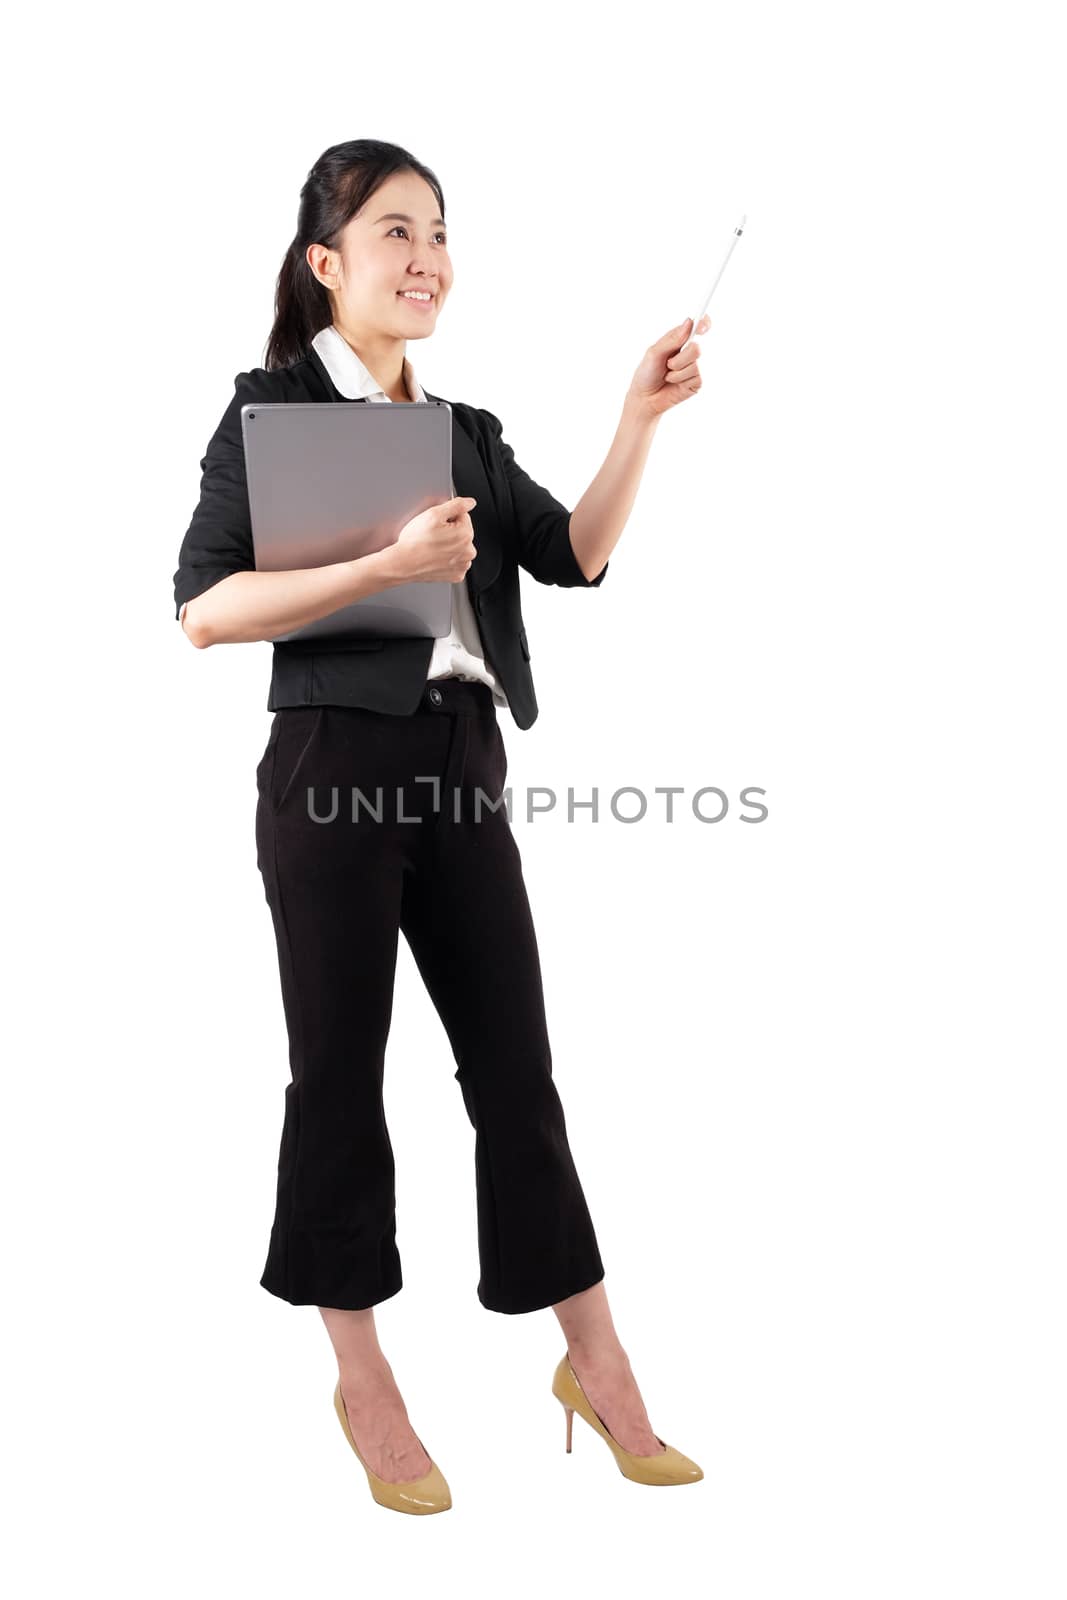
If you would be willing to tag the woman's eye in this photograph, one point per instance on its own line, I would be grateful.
(400, 228)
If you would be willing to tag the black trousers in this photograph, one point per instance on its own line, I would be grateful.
(369, 824)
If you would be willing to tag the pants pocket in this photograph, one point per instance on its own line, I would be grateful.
(295, 738)
(266, 760)
(502, 755)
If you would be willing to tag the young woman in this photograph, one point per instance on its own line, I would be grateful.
(367, 271)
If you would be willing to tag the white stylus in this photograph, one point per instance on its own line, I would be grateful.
(737, 234)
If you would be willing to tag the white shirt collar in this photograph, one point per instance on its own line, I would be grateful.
(348, 372)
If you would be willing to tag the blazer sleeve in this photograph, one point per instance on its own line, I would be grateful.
(219, 539)
(541, 525)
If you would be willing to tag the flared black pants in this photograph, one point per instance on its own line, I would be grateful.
(369, 824)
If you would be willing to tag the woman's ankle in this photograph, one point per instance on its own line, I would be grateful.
(367, 1371)
(603, 1355)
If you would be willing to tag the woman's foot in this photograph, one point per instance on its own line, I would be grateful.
(379, 1422)
(612, 1392)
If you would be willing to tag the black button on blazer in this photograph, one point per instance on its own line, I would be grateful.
(517, 523)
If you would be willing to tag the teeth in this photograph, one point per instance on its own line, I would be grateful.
(415, 294)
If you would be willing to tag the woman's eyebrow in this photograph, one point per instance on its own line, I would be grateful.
(398, 216)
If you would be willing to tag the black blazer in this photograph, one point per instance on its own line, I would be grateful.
(516, 524)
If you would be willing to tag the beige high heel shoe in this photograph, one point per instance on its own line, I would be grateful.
(668, 1466)
(418, 1495)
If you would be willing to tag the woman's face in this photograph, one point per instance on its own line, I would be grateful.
(396, 243)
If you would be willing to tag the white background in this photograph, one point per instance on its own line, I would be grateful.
(812, 1069)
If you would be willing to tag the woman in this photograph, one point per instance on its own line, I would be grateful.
(367, 271)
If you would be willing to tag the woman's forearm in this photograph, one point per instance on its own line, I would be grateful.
(251, 606)
(601, 514)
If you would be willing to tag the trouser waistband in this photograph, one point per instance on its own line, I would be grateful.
(455, 694)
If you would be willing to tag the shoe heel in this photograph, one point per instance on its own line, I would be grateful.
(668, 1465)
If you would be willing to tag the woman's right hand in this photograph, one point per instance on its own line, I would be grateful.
(437, 546)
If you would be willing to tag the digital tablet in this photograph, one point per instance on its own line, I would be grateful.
(329, 483)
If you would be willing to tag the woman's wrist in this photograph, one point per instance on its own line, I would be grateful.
(636, 413)
(383, 568)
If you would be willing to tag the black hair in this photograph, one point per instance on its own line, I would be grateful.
(339, 185)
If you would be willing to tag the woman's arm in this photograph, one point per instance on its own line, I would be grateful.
(667, 375)
(541, 523)
(249, 606)
(220, 596)
(601, 514)
(572, 548)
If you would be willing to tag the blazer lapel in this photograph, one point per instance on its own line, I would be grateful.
(470, 477)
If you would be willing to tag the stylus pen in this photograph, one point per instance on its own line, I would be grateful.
(737, 234)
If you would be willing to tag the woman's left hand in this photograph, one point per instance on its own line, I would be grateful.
(668, 374)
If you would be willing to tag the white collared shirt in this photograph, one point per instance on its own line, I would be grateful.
(460, 654)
